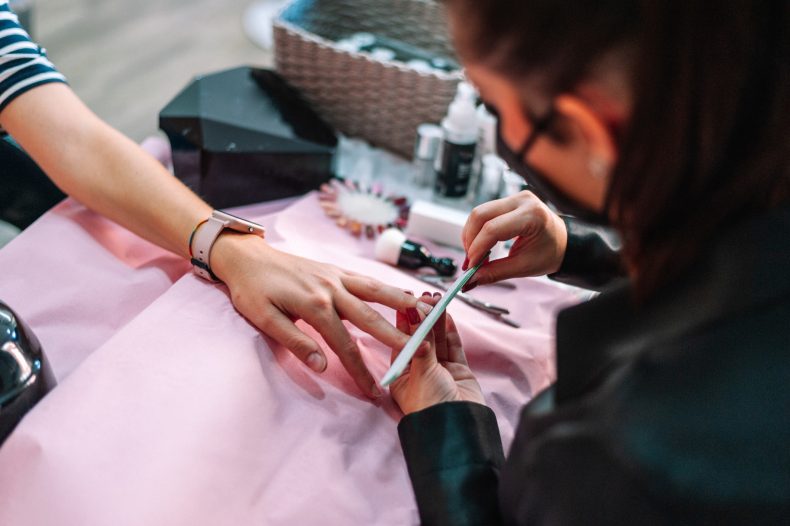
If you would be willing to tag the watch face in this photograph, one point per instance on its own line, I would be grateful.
(239, 224)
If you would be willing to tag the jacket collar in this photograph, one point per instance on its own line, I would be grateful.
(747, 266)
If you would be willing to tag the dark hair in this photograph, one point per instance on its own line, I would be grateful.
(707, 144)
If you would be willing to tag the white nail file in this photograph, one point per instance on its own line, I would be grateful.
(407, 353)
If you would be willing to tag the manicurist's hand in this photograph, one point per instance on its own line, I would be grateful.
(272, 289)
(540, 235)
(439, 371)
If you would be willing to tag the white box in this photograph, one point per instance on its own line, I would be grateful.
(437, 223)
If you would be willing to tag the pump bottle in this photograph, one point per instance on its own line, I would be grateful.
(455, 159)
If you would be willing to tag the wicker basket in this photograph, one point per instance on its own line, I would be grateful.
(381, 102)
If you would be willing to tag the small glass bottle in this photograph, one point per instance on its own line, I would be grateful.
(429, 137)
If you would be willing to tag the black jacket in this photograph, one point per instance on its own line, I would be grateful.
(677, 412)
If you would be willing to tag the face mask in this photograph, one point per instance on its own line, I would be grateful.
(537, 182)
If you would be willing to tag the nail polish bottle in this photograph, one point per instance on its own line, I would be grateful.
(393, 248)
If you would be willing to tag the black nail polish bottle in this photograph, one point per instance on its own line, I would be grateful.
(392, 247)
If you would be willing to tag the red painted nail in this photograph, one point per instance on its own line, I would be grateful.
(466, 263)
(472, 283)
(413, 315)
(426, 293)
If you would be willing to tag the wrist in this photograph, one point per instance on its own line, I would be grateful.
(560, 235)
(232, 249)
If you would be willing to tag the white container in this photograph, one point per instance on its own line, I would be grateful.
(436, 223)
(455, 160)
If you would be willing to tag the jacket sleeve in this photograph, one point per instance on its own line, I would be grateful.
(592, 256)
(454, 453)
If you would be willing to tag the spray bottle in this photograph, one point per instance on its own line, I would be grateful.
(456, 156)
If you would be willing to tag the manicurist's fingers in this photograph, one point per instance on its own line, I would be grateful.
(440, 333)
(482, 214)
(500, 228)
(455, 349)
(426, 353)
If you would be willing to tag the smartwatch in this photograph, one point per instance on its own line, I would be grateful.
(206, 233)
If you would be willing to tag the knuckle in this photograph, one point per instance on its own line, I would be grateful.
(475, 214)
(489, 229)
(371, 287)
(375, 286)
(349, 353)
(369, 316)
(320, 303)
(525, 195)
(327, 281)
(542, 214)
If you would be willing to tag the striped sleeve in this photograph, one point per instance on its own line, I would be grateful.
(23, 63)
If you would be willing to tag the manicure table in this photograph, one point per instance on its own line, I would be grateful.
(172, 409)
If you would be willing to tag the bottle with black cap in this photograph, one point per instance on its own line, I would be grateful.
(392, 247)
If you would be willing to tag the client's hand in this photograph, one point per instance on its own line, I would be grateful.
(540, 235)
(439, 371)
(272, 289)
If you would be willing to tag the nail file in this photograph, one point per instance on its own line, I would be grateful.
(407, 353)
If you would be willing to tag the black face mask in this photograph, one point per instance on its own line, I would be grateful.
(536, 181)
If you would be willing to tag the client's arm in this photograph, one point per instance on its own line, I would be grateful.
(110, 174)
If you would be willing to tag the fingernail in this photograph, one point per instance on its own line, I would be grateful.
(424, 308)
(413, 315)
(376, 391)
(472, 283)
(316, 362)
(410, 293)
(437, 295)
(466, 263)
(426, 293)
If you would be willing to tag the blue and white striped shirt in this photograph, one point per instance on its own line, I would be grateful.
(23, 63)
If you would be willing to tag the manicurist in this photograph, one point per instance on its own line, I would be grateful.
(670, 122)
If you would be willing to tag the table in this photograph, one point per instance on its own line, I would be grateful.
(172, 409)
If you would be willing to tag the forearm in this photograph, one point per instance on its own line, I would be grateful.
(592, 256)
(454, 453)
(101, 168)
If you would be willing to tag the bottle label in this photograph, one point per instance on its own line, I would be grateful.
(455, 169)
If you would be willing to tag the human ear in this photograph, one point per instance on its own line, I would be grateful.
(587, 131)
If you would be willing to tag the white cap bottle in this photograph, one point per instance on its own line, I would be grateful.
(456, 156)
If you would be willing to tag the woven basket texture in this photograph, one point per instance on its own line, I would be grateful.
(381, 102)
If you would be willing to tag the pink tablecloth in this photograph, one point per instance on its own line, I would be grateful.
(172, 409)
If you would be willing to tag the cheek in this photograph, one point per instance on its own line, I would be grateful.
(515, 130)
(568, 169)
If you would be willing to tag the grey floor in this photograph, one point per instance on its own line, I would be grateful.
(127, 58)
